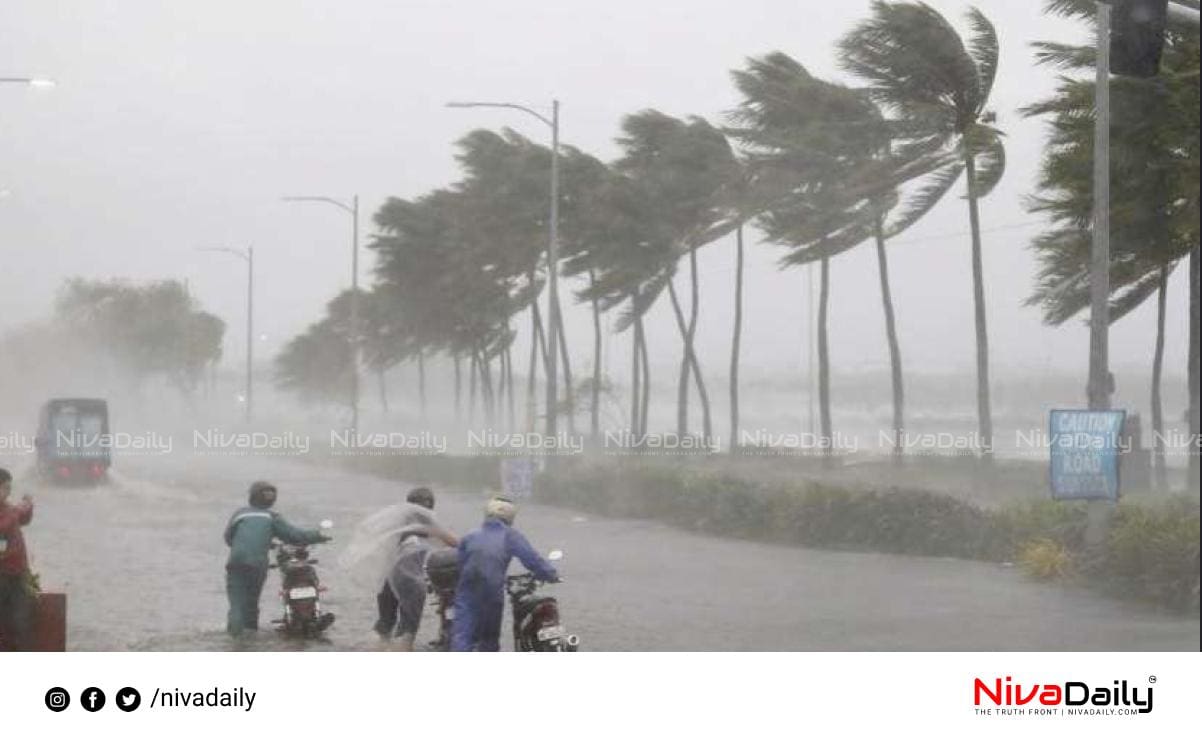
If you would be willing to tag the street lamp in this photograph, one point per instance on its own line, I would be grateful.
(353, 210)
(552, 249)
(32, 82)
(247, 255)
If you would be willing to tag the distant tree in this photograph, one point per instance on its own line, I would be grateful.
(146, 330)
(317, 365)
(685, 167)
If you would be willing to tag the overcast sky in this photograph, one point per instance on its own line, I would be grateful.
(181, 124)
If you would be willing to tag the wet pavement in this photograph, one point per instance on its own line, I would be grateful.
(141, 560)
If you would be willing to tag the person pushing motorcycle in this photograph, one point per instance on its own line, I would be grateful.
(248, 535)
(484, 557)
(403, 595)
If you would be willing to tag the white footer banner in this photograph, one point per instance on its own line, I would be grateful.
(631, 696)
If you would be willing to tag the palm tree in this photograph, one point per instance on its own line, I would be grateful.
(456, 290)
(584, 224)
(685, 166)
(1154, 202)
(631, 258)
(785, 112)
(936, 89)
(505, 179)
(827, 177)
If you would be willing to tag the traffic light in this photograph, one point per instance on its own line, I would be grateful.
(1137, 36)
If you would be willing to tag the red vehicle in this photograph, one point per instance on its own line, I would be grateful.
(73, 441)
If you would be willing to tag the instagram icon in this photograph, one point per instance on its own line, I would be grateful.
(57, 699)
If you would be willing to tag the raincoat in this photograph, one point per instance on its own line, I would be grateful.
(249, 534)
(388, 551)
(484, 557)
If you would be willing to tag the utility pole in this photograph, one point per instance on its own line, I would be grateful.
(1098, 390)
(553, 282)
(1099, 386)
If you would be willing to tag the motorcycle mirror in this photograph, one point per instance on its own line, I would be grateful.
(326, 525)
(555, 555)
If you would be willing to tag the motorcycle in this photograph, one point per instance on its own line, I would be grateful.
(442, 574)
(300, 591)
(536, 626)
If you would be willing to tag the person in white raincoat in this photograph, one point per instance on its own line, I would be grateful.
(392, 545)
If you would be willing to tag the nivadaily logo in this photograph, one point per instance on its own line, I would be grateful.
(1067, 697)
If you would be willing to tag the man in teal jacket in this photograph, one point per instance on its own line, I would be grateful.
(249, 534)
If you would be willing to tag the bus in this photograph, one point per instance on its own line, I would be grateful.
(73, 442)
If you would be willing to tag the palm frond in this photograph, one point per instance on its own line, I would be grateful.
(983, 46)
(930, 192)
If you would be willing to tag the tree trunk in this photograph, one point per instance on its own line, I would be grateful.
(540, 342)
(635, 371)
(645, 363)
(1195, 275)
(382, 388)
(895, 362)
(984, 412)
(471, 398)
(564, 358)
(689, 363)
(569, 394)
(1159, 471)
(542, 338)
(707, 427)
(509, 387)
(421, 383)
(736, 340)
(682, 382)
(458, 390)
(824, 361)
(486, 390)
(532, 374)
(595, 402)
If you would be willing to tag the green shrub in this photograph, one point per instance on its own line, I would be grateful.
(1152, 551)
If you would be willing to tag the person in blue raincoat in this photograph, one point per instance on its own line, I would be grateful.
(484, 557)
(248, 535)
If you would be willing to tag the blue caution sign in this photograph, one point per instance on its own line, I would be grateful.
(1085, 448)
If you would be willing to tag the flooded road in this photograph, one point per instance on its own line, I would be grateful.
(141, 560)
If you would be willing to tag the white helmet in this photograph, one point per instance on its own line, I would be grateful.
(500, 507)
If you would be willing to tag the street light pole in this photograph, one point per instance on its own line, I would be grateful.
(247, 255)
(250, 333)
(1098, 388)
(553, 281)
(32, 82)
(353, 210)
(553, 318)
(355, 334)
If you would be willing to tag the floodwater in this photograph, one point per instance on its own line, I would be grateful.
(141, 560)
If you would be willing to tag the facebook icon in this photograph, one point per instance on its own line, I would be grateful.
(92, 699)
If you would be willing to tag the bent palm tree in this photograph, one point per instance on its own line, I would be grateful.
(937, 88)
